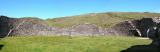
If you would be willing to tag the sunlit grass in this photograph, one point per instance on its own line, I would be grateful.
(66, 44)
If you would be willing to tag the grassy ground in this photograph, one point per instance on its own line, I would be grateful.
(104, 20)
(65, 44)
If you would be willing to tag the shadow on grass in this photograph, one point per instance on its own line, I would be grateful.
(142, 48)
(1, 46)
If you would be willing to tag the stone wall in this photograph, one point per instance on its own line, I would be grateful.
(125, 28)
(4, 25)
(39, 27)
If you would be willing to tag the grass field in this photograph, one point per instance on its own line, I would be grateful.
(65, 44)
(104, 20)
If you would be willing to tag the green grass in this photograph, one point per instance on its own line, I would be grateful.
(104, 20)
(65, 44)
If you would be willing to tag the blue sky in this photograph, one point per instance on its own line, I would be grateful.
(58, 8)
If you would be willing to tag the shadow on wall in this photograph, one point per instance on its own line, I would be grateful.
(130, 27)
(4, 26)
(144, 24)
(142, 48)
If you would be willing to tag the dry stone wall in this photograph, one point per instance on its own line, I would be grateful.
(39, 27)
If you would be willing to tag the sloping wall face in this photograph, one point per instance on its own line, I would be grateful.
(4, 26)
(123, 28)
